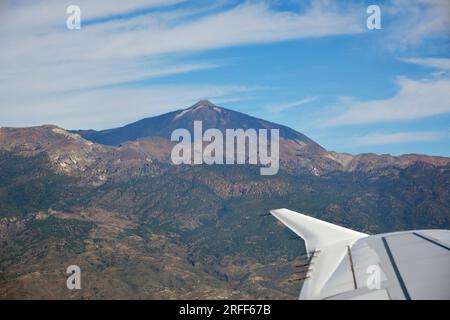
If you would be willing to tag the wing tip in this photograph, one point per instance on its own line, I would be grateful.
(314, 230)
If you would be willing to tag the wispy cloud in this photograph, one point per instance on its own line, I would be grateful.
(436, 63)
(413, 22)
(414, 100)
(398, 137)
(290, 105)
(125, 42)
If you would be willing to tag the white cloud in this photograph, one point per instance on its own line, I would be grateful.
(398, 137)
(42, 61)
(414, 21)
(436, 63)
(415, 100)
(290, 105)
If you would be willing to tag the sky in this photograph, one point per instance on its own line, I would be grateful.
(311, 65)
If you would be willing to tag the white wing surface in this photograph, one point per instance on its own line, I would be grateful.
(346, 264)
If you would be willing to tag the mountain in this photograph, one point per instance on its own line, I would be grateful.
(210, 114)
(297, 151)
(138, 226)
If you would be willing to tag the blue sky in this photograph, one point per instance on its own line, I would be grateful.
(311, 65)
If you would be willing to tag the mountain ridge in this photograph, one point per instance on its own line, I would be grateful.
(296, 148)
(149, 138)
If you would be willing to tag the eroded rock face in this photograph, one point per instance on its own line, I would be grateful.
(72, 155)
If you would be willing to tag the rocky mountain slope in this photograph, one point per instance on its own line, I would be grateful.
(140, 227)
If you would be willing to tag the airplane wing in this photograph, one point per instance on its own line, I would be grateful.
(346, 264)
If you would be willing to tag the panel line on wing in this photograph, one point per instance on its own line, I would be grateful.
(396, 270)
(349, 251)
(431, 240)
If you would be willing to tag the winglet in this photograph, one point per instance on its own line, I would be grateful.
(316, 233)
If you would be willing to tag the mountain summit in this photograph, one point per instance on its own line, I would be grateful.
(204, 103)
(209, 113)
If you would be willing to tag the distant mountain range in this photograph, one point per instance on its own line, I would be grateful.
(141, 227)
